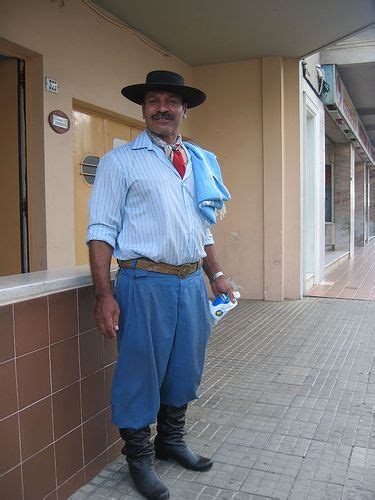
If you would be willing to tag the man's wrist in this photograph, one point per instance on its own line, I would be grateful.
(216, 276)
(102, 294)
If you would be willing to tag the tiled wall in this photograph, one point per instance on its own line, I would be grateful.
(55, 376)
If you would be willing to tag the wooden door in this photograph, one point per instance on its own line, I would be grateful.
(94, 135)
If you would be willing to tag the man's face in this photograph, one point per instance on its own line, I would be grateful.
(163, 112)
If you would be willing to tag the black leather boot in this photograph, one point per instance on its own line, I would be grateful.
(139, 454)
(169, 442)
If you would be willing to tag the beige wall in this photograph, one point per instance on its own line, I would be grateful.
(230, 123)
(92, 60)
(251, 121)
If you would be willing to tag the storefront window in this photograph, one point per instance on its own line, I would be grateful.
(329, 193)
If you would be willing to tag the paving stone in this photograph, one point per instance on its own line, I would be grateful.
(361, 470)
(357, 494)
(187, 490)
(268, 484)
(315, 490)
(326, 462)
(244, 456)
(223, 476)
(278, 463)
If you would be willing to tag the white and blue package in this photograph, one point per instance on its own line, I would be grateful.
(221, 305)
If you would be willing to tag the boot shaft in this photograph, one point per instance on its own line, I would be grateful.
(171, 424)
(137, 444)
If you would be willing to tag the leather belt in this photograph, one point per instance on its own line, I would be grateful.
(160, 267)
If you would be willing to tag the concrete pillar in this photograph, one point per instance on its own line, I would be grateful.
(360, 204)
(281, 178)
(292, 185)
(273, 177)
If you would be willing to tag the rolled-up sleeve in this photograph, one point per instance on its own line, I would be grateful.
(106, 203)
(208, 238)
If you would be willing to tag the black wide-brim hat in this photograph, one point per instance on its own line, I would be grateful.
(168, 81)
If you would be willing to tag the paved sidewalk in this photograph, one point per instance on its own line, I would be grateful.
(287, 408)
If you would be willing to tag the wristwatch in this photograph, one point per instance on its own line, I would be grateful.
(216, 276)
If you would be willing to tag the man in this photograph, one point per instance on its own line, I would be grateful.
(153, 202)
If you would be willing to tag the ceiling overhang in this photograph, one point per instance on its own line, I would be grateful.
(211, 31)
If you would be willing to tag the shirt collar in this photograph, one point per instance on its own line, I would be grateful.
(143, 141)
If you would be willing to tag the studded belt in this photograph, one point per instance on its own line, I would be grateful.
(160, 267)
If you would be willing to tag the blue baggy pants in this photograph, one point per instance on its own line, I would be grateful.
(164, 329)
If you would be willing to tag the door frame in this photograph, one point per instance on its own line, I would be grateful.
(34, 127)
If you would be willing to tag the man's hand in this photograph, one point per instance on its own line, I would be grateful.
(107, 313)
(221, 285)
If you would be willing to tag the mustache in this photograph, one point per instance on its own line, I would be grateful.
(163, 116)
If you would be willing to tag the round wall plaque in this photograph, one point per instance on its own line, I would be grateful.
(59, 121)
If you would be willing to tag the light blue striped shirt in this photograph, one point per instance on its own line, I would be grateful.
(142, 208)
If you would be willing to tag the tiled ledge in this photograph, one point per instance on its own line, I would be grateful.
(30, 285)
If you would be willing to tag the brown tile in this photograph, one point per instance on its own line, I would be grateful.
(36, 427)
(11, 485)
(94, 437)
(112, 430)
(69, 455)
(35, 387)
(86, 305)
(8, 388)
(91, 351)
(114, 451)
(39, 476)
(31, 325)
(71, 486)
(108, 373)
(96, 466)
(64, 363)
(7, 333)
(9, 443)
(110, 351)
(93, 394)
(66, 409)
(63, 315)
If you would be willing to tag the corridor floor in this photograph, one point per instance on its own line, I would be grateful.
(286, 408)
(353, 279)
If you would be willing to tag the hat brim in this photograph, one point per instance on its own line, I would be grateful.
(191, 96)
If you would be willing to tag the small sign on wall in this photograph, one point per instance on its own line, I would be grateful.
(59, 121)
(52, 85)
